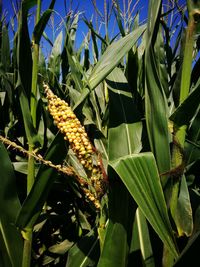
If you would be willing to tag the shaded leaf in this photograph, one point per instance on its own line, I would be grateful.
(144, 239)
(125, 126)
(35, 200)
(190, 253)
(181, 209)
(191, 104)
(61, 248)
(9, 209)
(31, 134)
(124, 138)
(5, 49)
(85, 253)
(118, 231)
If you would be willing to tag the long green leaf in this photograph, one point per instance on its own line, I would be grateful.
(144, 239)
(113, 55)
(40, 26)
(24, 56)
(140, 175)
(55, 59)
(9, 209)
(124, 138)
(181, 209)
(5, 49)
(31, 134)
(155, 99)
(27, 4)
(110, 59)
(118, 232)
(125, 126)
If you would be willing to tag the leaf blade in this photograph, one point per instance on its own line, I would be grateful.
(139, 173)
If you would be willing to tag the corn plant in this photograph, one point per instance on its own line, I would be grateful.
(99, 144)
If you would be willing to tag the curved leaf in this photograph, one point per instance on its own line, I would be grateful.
(180, 117)
(113, 55)
(140, 175)
(110, 59)
(40, 26)
(181, 209)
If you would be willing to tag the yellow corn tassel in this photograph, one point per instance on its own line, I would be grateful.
(74, 132)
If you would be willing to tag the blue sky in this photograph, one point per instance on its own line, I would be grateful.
(87, 10)
(85, 7)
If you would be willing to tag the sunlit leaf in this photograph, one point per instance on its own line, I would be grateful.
(155, 99)
(113, 55)
(40, 26)
(140, 175)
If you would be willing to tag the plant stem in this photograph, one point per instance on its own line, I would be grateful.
(26, 262)
(31, 171)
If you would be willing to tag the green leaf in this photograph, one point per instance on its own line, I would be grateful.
(22, 167)
(140, 175)
(24, 53)
(125, 126)
(27, 4)
(110, 59)
(76, 70)
(186, 111)
(113, 55)
(4, 258)
(192, 148)
(118, 16)
(85, 253)
(155, 100)
(181, 208)
(61, 248)
(40, 26)
(118, 231)
(35, 200)
(5, 49)
(124, 138)
(143, 239)
(9, 209)
(54, 59)
(31, 134)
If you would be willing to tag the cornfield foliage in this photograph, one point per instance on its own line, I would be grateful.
(100, 144)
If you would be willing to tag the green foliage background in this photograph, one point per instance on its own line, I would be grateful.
(138, 97)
